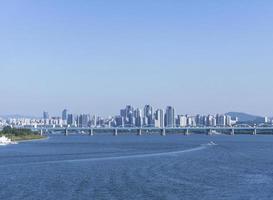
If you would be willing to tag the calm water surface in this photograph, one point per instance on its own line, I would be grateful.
(145, 167)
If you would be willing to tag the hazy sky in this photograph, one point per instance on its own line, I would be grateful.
(96, 56)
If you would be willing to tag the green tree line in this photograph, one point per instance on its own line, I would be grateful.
(17, 131)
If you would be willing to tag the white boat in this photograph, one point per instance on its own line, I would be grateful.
(212, 143)
(5, 141)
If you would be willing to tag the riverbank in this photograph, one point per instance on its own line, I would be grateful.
(17, 135)
(25, 137)
(33, 139)
(7, 139)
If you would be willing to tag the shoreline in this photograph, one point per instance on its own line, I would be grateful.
(23, 141)
(30, 140)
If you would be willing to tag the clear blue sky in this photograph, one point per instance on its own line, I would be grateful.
(97, 56)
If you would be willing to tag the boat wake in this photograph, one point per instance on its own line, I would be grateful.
(160, 154)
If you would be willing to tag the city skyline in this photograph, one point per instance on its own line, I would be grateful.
(130, 116)
(108, 114)
(200, 57)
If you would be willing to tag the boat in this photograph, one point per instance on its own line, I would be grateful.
(212, 143)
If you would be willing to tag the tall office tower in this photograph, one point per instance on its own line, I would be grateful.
(169, 116)
(159, 118)
(83, 120)
(222, 120)
(138, 117)
(181, 121)
(130, 115)
(45, 115)
(148, 115)
(64, 114)
(70, 120)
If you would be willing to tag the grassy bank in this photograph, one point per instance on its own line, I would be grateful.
(20, 134)
(24, 137)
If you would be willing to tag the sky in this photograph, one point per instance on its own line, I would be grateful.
(96, 56)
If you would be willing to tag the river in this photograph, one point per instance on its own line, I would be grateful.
(138, 167)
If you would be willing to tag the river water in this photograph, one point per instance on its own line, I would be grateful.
(138, 167)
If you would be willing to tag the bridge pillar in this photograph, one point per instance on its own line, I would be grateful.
(139, 132)
(115, 132)
(41, 132)
(210, 132)
(232, 132)
(254, 131)
(163, 132)
(187, 132)
(91, 132)
(66, 132)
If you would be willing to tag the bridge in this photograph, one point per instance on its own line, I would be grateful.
(162, 131)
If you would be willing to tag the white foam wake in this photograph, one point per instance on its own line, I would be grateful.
(116, 157)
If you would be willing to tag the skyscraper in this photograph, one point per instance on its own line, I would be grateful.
(169, 117)
(138, 118)
(181, 121)
(148, 116)
(130, 115)
(70, 119)
(45, 115)
(83, 120)
(64, 114)
(159, 118)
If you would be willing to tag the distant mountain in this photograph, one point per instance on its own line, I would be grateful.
(244, 117)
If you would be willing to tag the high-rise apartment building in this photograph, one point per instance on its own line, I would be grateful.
(148, 118)
(181, 121)
(169, 117)
(159, 118)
